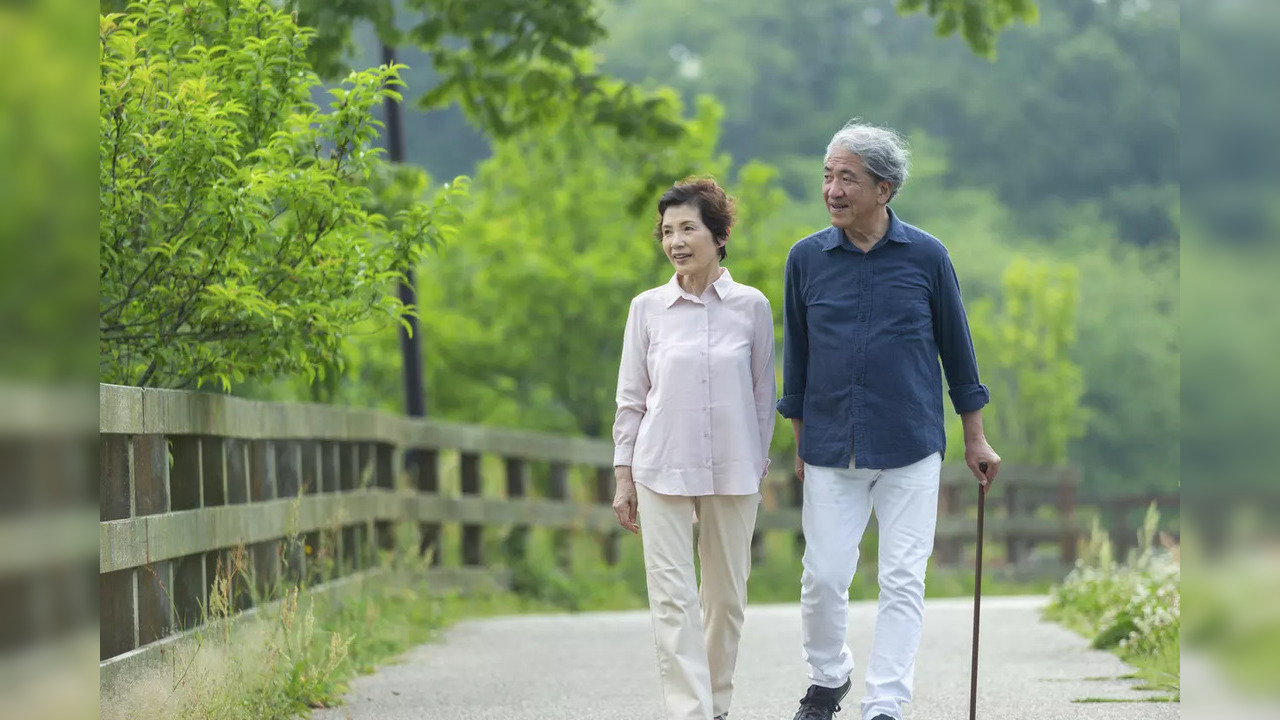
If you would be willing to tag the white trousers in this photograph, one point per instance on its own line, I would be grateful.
(837, 506)
(696, 629)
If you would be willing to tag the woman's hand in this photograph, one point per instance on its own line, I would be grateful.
(624, 498)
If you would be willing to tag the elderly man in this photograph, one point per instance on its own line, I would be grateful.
(870, 304)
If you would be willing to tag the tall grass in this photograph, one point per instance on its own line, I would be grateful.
(1131, 606)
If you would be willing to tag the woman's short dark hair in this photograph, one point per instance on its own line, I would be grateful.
(712, 202)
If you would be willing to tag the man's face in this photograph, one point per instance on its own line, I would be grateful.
(851, 194)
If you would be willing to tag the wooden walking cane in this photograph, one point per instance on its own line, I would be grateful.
(977, 598)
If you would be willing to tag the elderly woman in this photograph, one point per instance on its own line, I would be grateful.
(696, 394)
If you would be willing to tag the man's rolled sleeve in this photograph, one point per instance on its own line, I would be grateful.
(955, 343)
(967, 398)
(795, 341)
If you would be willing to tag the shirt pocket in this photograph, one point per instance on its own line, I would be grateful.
(904, 310)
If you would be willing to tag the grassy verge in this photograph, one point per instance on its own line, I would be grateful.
(1130, 607)
(302, 653)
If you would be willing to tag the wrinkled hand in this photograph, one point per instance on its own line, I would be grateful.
(799, 469)
(982, 461)
(624, 499)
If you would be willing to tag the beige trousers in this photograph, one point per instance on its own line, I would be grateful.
(696, 628)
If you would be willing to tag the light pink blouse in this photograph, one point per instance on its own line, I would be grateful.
(696, 389)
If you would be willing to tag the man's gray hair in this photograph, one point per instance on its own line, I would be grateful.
(884, 152)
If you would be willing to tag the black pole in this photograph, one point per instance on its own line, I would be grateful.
(419, 465)
(410, 339)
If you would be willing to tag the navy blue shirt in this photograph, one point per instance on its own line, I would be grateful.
(862, 336)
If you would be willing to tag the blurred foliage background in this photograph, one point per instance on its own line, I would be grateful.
(1049, 167)
(1053, 142)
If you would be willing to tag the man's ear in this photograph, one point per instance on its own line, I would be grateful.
(887, 187)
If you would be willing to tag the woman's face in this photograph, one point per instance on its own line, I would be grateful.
(688, 243)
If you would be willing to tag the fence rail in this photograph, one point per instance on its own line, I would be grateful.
(312, 493)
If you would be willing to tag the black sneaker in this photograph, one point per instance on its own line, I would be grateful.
(822, 703)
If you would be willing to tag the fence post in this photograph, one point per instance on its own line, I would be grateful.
(1067, 483)
(151, 497)
(295, 465)
(472, 535)
(797, 501)
(517, 540)
(267, 461)
(117, 597)
(189, 582)
(1012, 509)
(384, 477)
(425, 471)
(348, 480)
(558, 489)
(605, 486)
(947, 547)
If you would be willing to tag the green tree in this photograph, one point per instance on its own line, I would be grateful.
(235, 241)
(509, 64)
(526, 316)
(1024, 345)
(1087, 97)
(1130, 350)
(979, 23)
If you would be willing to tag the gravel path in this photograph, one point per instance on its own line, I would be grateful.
(602, 665)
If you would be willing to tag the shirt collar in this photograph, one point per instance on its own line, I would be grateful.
(897, 232)
(672, 291)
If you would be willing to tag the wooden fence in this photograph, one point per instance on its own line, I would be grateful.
(1123, 516)
(192, 484)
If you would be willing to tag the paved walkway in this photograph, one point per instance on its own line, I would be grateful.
(603, 666)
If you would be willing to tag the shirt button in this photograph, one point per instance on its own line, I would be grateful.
(859, 349)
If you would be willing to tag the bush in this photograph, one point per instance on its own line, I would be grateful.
(237, 233)
(1132, 607)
